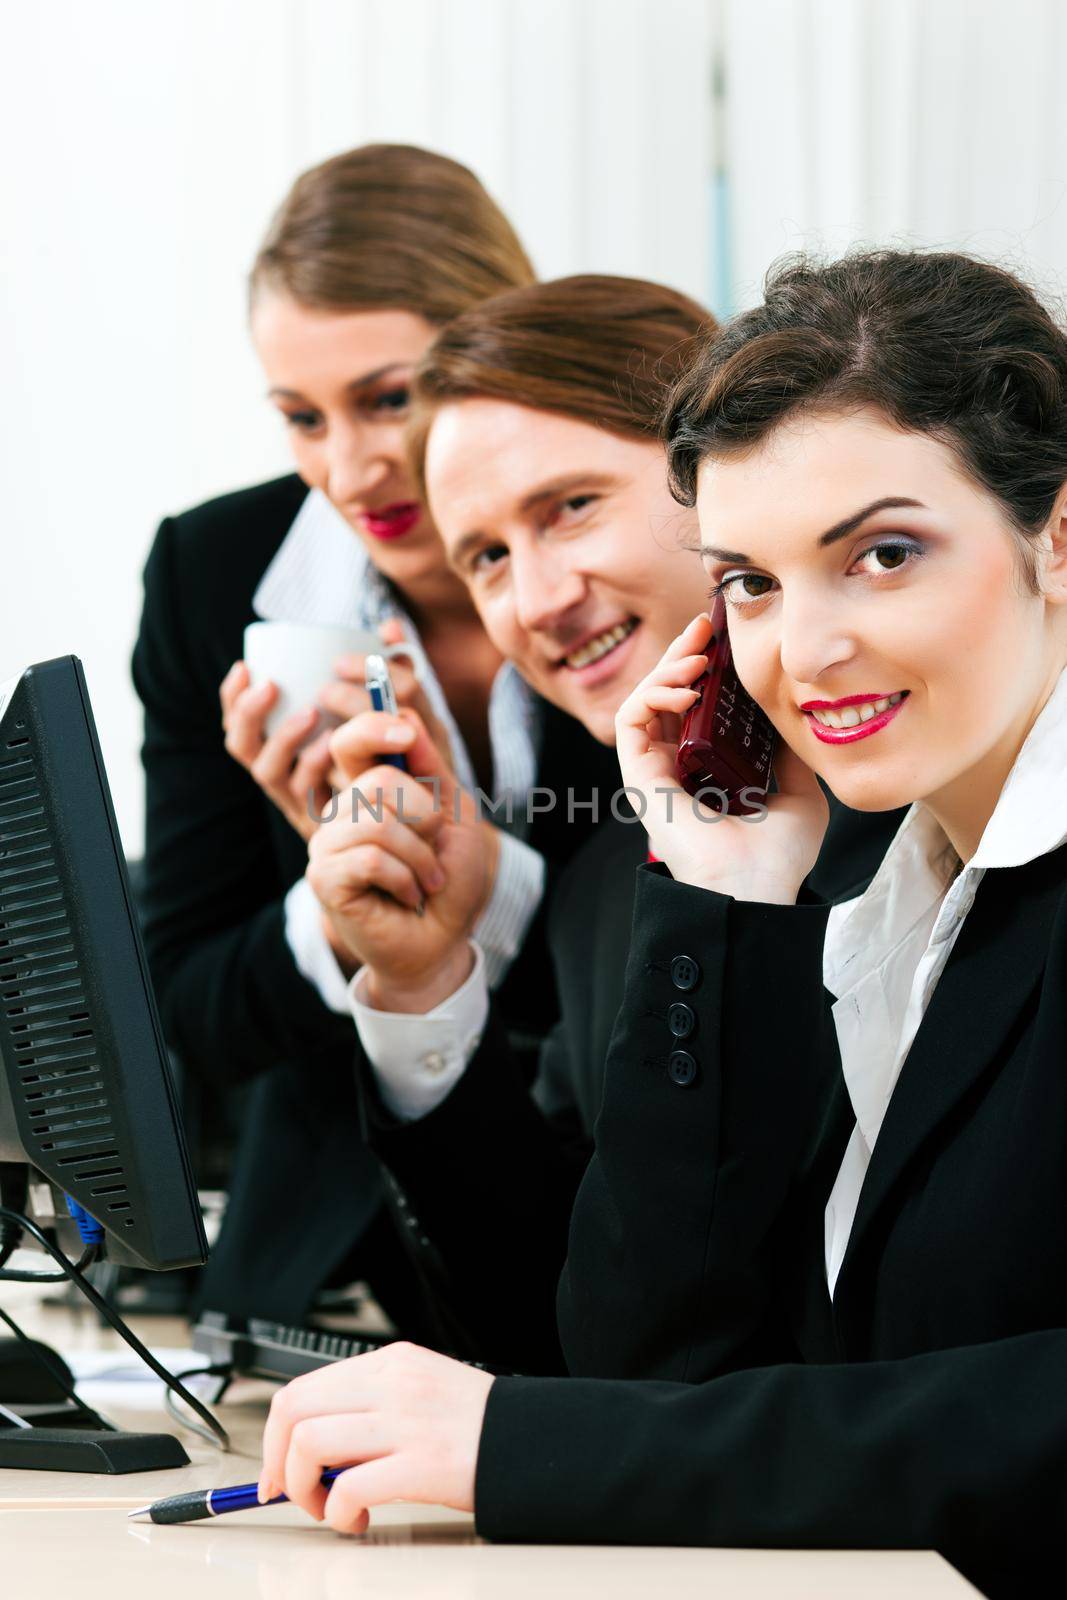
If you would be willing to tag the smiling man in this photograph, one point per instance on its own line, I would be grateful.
(578, 559)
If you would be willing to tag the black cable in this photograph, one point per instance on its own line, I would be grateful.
(170, 1405)
(223, 1369)
(86, 1259)
(42, 1355)
(111, 1316)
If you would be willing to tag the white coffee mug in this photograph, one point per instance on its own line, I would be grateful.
(299, 657)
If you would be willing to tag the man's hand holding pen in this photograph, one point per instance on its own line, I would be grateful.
(405, 868)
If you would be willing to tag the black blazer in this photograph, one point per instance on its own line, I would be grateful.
(486, 1182)
(927, 1405)
(219, 860)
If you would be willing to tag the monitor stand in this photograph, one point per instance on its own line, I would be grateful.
(40, 1433)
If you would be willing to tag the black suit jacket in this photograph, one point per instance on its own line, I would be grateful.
(926, 1405)
(487, 1180)
(219, 860)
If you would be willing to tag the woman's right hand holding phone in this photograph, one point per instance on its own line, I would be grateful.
(763, 858)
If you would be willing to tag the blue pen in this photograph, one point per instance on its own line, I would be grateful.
(382, 698)
(215, 1502)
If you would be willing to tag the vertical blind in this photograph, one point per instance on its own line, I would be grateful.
(933, 122)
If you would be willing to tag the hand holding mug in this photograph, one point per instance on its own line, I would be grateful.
(276, 710)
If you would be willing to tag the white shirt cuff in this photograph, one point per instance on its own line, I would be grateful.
(418, 1060)
(306, 938)
(503, 925)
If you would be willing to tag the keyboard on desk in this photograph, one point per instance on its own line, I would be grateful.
(255, 1348)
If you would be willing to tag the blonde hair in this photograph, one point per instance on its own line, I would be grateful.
(390, 225)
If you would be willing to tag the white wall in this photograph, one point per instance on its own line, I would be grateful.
(146, 143)
(939, 122)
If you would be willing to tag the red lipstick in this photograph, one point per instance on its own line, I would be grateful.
(392, 522)
(862, 730)
(849, 700)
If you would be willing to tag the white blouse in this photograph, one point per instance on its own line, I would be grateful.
(886, 950)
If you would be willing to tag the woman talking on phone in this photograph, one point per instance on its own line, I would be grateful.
(818, 1295)
(369, 253)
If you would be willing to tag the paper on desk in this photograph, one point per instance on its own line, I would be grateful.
(106, 1378)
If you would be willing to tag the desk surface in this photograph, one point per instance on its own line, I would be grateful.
(63, 1534)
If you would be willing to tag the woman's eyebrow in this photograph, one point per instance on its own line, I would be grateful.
(362, 382)
(840, 530)
(379, 372)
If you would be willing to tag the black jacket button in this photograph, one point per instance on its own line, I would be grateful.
(682, 1068)
(681, 1019)
(685, 972)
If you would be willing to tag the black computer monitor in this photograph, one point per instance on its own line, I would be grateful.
(87, 1107)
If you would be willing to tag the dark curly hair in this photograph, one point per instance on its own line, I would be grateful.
(942, 343)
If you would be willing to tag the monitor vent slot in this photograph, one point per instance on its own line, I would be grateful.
(45, 1022)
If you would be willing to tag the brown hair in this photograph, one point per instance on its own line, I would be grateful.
(390, 225)
(943, 344)
(600, 349)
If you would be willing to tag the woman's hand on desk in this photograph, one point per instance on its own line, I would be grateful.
(403, 891)
(409, 1419)
(765, 859)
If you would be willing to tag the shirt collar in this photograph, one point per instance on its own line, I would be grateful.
(321, 573)
(863, 933)
(1030, 820)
